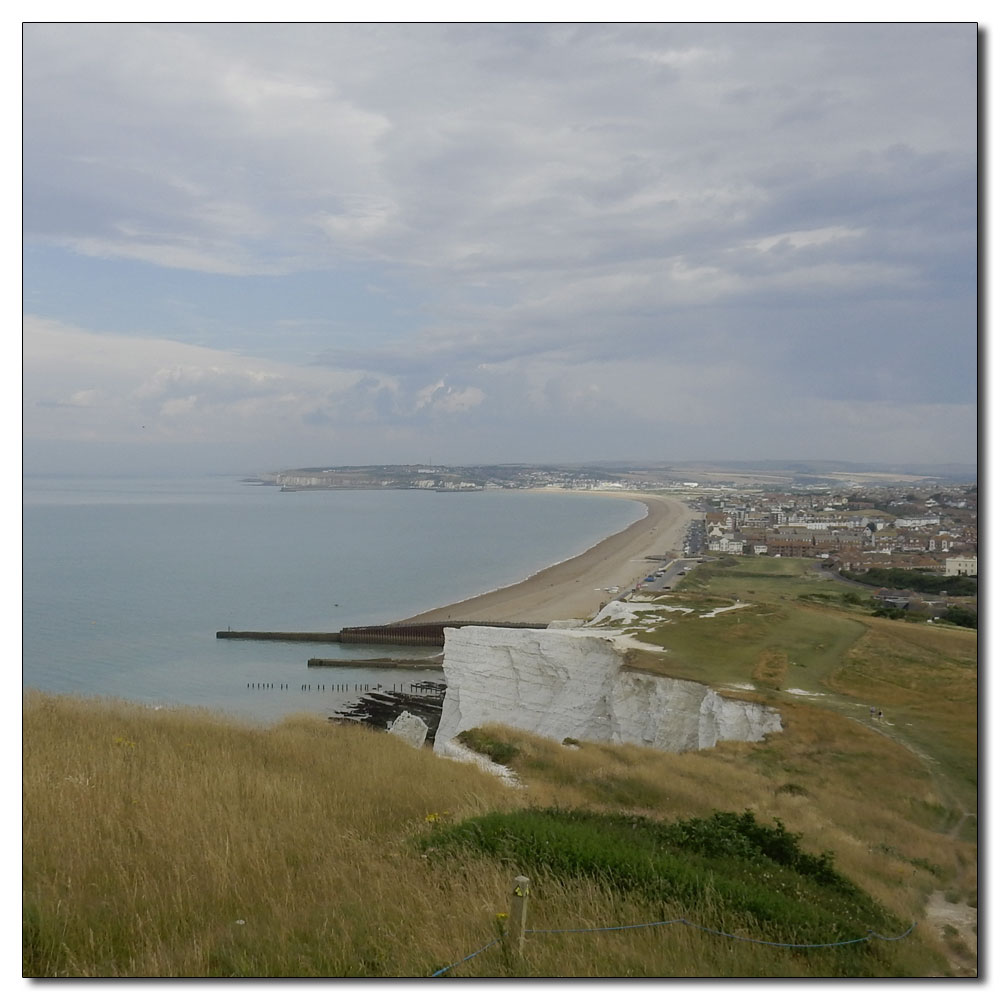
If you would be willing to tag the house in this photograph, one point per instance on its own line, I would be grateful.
(961, 566)
(791, 547)
(917, 522)
(729, 544)
(895, 598)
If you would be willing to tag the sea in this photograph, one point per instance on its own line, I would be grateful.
(127, 580)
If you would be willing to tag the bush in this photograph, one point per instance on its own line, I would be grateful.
(895, 613)
(740, 835)
(751, 870)
(481, 742)
(918, 580)
(961, 616)
(791, 789)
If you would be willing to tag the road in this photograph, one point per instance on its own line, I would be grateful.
(666, 575)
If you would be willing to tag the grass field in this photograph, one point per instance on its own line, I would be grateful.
(798, 641)
(172, 844)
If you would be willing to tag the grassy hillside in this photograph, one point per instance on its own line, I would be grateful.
(184, 844)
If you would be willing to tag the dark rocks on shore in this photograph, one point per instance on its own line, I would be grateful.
(379, 709)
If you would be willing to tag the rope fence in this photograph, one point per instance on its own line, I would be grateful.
(441, 972)
(519, 914)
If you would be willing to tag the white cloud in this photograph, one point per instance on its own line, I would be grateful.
(458, 400)
(86, 397)
(563, 210)
(472, 160)
(806, 238)
(144, 387)
(361, 218)
(679, 57)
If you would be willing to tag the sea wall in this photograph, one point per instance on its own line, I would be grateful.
(563, 682)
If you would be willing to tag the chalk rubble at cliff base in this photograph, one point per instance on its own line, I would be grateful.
(409, 728)
(568, 682)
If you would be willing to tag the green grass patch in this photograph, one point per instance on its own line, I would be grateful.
(764, 578)
(482, 742)
(779, 644)
(745, 873)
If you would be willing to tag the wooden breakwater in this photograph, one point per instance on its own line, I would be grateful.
(379, 709)
(429, 634)
(428, 663)
(423, 634)
(401, 688)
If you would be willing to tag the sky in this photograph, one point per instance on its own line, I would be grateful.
(249, 247)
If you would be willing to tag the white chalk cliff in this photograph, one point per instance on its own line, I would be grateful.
(569, 682)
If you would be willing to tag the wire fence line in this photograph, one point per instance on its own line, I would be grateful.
(687, 923)
(441, 972)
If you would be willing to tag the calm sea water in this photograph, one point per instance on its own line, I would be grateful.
(126, 582)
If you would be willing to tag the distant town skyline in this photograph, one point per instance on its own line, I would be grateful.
(261, 246)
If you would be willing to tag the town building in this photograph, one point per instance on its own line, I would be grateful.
(961, 566)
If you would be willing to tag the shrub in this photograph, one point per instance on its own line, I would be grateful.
(908, 579)
(895, 613)
(790, 788)
(751, 871)
(740, 835)
(481, 742)
(961, 616)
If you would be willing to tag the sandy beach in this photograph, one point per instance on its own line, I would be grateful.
(577, 587)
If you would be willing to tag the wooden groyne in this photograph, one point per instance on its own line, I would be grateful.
(424, 634)
(430, 634)
(378, 709)
(430, 663)
(362, 687)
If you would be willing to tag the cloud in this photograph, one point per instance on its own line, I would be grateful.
(144, 388)
(553, 208)
(488, 156)
(85, 384)
(80, 399)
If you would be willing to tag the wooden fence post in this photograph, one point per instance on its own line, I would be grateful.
(519, 909)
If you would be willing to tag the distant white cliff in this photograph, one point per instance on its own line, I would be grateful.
(568, 682)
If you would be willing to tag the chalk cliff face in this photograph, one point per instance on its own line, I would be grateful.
(561, 682)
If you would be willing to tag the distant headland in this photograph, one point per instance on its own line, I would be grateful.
(810, 475)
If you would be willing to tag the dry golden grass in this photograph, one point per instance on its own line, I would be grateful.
(846, 787)
(771, 668)
(149, 837)
(926, 680)
(904, 788)
(180, 844)
(172, 844)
